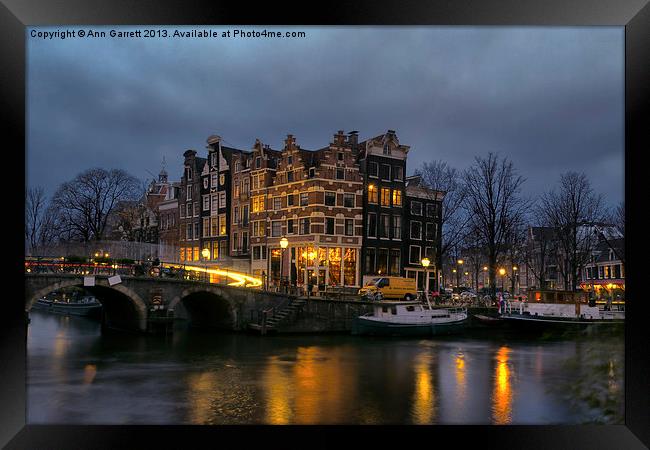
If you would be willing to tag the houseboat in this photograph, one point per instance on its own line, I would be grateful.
(559, 308)
(409, 318)
(87, 306)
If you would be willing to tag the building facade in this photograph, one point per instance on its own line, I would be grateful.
(189, 211)
(422, 237)
(345, 210)
(382, 162)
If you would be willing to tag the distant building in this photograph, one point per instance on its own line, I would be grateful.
(189, 210)
(168, 233)
(604, 274)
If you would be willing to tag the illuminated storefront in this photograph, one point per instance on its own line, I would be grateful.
(331, 266)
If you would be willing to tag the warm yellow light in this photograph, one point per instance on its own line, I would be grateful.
(205, 253)
(425, 262)
(284, 242)
(96, 254)
(466, 273)
(453, 270)
(106, 255)
(502, 271)
(484, 267)
(460, 261)
(240, 279)
(514, 268)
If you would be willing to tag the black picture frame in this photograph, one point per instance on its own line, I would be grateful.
(16, 15)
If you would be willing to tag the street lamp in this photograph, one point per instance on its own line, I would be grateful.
(425, 263)
(502, 272)
(485, 268)
(514, 273)
(284, 243)
(460, 263)
(206, 255)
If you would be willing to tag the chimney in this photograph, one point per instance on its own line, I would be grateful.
(353, 140)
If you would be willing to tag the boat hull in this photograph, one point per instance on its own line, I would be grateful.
(529, 321)
(363, 326)
(84, 310)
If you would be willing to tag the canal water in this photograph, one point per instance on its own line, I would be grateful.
(77, 374)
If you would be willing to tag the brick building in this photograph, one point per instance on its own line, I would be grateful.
(189, 211)
(313, 198)
(345, 210)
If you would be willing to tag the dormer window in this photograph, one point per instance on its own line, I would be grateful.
(289, 160)
(188, 173)
(386, 149)
(340, 156)
(213, 156)
(312, 172)
(258, 162)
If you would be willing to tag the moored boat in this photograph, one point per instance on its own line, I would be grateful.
(409, 318)
(88, 306)
(559, 309)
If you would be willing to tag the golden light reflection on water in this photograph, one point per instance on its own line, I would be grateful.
(90, 371)
(278, 389)
(502, 392)
(202, 387)
(461, 382)
(313, 388)
(424, 409)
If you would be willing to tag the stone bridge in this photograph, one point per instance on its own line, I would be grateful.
(136, 302)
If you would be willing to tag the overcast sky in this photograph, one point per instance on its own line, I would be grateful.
(549, 98)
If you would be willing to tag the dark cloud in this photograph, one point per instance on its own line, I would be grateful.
(551, 99)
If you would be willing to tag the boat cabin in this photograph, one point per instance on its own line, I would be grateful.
(561, 297)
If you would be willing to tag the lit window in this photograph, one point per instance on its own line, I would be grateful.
(397, 197)
(372, 193)
(385, 197)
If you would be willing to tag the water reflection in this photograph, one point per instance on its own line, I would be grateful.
(312, 387)
(461, 383)
(424, 408)
(502, 392)
(90, 371)
(77, 374)
(278, 388)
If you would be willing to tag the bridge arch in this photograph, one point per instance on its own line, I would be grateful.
(207, 306)
(123, 307)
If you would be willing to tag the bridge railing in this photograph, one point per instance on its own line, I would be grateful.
(144, 269)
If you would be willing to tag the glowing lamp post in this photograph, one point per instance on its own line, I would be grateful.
(460, 263)
(284, 243)
(206, 255)
(502, 272)
(425, 263)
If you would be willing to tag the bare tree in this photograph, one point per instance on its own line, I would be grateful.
(538, 252)
(515, 242)
(438, 176)
(86, 202)
(572, 211)
(41, 224)
(494, 205)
